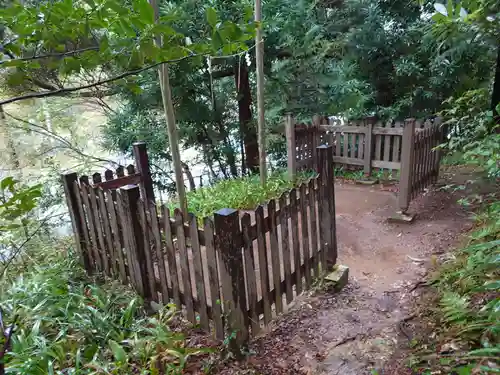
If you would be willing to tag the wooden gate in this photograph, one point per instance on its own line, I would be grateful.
(231, 273)
(419, 161)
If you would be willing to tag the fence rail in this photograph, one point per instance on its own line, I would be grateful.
(235, 271)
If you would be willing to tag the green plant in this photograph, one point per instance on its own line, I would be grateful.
(16, 202)
(466, 119)
(244, 193)
(485, 153)
(67, 324)
(347, 174)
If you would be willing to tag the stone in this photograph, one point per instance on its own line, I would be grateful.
(339, 276)
(367, 182)
(401, 217)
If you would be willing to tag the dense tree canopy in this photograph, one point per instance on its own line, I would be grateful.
(391, 58)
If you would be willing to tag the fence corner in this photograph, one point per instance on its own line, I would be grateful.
(367, 163)
(142, 163)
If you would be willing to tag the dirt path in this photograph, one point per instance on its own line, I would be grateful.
(357, 330)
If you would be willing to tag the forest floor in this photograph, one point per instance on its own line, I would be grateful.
(365, 328)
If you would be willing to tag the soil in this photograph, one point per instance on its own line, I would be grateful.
(364, 328)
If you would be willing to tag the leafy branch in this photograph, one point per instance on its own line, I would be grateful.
(16, 60)
(67, 90)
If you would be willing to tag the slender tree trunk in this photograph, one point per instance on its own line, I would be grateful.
(247, 128)
(243, 159)
(189, 175)
(228, 150)
(259, 56)
(230, 158)
(173, 137)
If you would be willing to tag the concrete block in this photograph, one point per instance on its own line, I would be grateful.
(339, 276)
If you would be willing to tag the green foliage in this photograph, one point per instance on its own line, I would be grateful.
(486, 153)
(43, 42)
(16, 202)
(467, 118)
(244, 193)
(65, 323)
(352, 58)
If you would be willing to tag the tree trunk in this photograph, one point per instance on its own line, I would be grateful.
(13, 157)
(495, 95)
(228, 151)
(189, 175)
(247, 128)
(261, 126)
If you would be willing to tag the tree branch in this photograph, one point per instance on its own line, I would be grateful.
(50, 55)
(42, 84)
(39, 129)
(64, 91)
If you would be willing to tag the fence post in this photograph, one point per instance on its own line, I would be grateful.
(135, 239)
(369, 145)
(69, 180)
(327, 204)
(407, 146)
(142, 164)
(291, 149)
(228, 243)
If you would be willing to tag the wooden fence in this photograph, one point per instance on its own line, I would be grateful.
(231, 274)
(407, 146)
(366, 143)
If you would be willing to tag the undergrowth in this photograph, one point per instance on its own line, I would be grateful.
(468, 315)
(469, 307)
(65, 323)
(243, 193)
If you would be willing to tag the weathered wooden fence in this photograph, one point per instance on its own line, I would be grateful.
(407, 146)
(231, 274)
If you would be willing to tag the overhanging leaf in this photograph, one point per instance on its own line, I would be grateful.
(211, 16)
